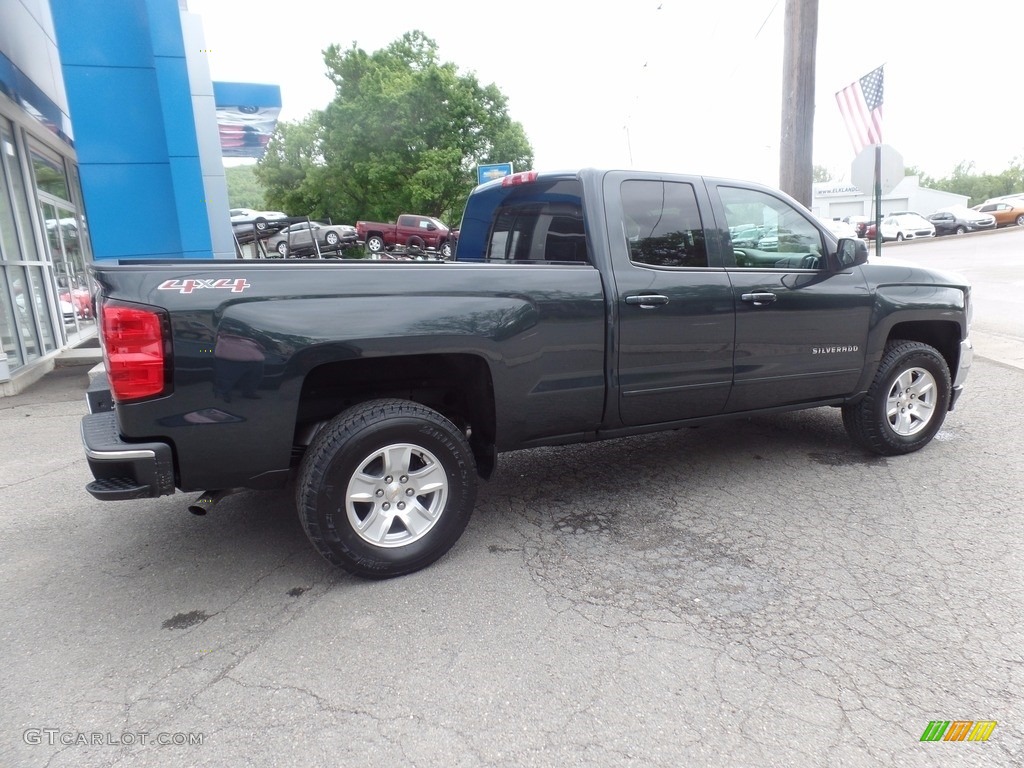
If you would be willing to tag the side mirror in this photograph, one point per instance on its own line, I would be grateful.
(851, 252)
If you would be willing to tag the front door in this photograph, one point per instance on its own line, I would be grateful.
(801, 326)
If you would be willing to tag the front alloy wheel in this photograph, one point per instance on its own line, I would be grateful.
(910, 404)
(906, 403)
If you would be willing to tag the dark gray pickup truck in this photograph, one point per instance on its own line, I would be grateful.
(579, 306)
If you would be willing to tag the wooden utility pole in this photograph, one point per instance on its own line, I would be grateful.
(799, 42)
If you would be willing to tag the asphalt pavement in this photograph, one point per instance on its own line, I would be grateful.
(753, 594)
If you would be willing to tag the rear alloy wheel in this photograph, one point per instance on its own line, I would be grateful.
(386, 488)
(282, 248)
(1020, 220)
(446, 250)
(906, 403)
(374, 244)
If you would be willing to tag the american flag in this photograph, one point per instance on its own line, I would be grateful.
(861, 105)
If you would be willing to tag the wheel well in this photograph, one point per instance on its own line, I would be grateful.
(943, 335)
(457, 386)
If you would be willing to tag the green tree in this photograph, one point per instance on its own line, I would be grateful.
(244, 189)
(292, 168)
(820, 173)
(404, 133)
(977, 186)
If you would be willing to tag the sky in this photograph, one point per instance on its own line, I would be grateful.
(683, 86)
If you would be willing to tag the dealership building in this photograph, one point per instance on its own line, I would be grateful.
(110, 148)
(840, 200)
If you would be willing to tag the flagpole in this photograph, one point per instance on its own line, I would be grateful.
(878, 199)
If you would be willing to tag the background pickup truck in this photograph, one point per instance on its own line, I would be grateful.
(411, 231)
(580, 306)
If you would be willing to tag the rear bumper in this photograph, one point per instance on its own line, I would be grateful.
(122, 470)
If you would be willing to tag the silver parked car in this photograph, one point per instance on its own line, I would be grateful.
(959, 219)
(307, 237)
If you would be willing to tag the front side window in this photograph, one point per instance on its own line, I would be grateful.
(769, 233)
(662, 225)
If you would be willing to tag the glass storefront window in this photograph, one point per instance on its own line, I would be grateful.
(9, 248)
(8, 327)
(43, 314)
(50, 176)
(45, 295)
(24, 312)
(83, 231)
(73, 284)
(21, 196)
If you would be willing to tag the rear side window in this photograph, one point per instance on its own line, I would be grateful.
(538, 221)
(538, 232)
(662, 224)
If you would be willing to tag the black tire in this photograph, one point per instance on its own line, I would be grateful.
(899, 237)
(961, 230)
(332, 239)
(375, 244)
(261, 224)
(415, 243)
(446, 250)
(282, 248)
(906, 403)
(378, 454)
(1020, 220)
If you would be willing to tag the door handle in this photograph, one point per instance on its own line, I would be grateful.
(759, 299)
(647, 300)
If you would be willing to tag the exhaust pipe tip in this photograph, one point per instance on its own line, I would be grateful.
(208, 499)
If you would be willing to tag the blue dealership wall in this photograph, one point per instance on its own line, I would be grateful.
(127, 83)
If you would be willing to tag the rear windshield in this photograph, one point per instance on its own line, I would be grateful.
(536, 222)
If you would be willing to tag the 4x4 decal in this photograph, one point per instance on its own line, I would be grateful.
(235, 285)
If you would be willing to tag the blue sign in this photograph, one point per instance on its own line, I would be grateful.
(485, 173)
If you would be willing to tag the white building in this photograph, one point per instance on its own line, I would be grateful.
(837, 200)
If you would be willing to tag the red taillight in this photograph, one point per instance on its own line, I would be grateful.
(515, 179)
(133, 350)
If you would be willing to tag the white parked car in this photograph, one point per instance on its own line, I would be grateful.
(245, 218)
(906, 226)
(839, 228)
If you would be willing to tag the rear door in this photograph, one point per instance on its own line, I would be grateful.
(801, 323)
(674, 307)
